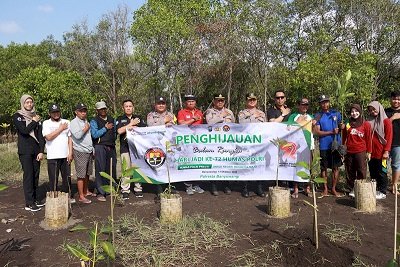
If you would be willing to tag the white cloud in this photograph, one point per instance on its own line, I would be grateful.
(9, 27)
(46, 8)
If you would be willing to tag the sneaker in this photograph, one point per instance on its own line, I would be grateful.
(138, 194)
(380, 195)
(101, 198)
(189, 190)
(351, 194)
(32, 207)
(72, 201)
(40, 203)
(125, 195)
(198, 189)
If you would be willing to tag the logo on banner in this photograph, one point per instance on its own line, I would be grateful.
(226, 128)
(155, 157)
(289, 150)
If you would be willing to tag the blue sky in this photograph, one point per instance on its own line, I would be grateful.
(32, 21)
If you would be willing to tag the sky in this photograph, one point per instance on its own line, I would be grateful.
(31, 21)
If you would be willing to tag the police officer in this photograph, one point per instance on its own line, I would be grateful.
(219, 114)
(252, 115)
(160, 115)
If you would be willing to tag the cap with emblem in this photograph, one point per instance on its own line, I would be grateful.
(101, 105)
(323, 98)
(80, 106)
(54, 108)
(219, 96)
(160, 99)
(190, 97)
(250, 96)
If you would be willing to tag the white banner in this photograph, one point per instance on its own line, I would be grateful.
(217, 152)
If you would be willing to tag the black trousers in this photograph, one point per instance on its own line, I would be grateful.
(376, 171)
(103, 156)
(30, 181)
(54, 168)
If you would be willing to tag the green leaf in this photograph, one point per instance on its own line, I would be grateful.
(348, 75)
(108, 249)
(106, 230)
(303, 175)
(108, 189)
(3, 187)
(78, 252)
(124, 165)
(303, 164)
(100, 257)
(134, 180)
(392, 263)
(78, 227)
(398, 238)
(319, 180)
(107, 176)
(92, 236)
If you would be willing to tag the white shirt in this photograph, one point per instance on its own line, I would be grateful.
(58, 147)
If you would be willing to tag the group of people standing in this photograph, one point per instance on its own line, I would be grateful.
(368, 139)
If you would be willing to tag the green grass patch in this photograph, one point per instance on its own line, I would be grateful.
(182, 244)
(10, 167)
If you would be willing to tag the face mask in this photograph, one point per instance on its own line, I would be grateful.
(354, 114)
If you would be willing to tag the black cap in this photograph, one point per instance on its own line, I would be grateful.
(250, 96)
(161, 99)
(190, 97)
(80, 106)
(54, 108)
(323, 98)
(219, 96)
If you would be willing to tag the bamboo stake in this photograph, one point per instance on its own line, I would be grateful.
(111, 202)
(315, 217)
(395, 224)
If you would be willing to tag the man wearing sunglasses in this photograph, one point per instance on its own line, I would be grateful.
(279, 112)
(219, 114)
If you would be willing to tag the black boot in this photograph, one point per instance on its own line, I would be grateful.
(214, 190)
(260, 191)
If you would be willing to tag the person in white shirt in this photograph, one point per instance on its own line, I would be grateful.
(56, 133)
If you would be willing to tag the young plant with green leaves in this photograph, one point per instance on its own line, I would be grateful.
(311, 175)
(100, 248)
(342, 94)
(168, 191)
(114, 187)
(3, 187)
(278, 142)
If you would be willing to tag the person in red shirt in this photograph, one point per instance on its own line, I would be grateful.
(357, 137)
(191, 115)
(381, 143)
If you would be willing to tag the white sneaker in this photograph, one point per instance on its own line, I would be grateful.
(380, 195)
(198, 189)
(189, 190)
(351, 194)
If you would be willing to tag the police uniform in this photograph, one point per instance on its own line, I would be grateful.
(154, 118)
(214, 116)
(252, 116)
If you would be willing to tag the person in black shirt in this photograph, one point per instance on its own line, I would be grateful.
(279, 112)
(393, 114)
(30, 149)
(102, 129)
(124, 123)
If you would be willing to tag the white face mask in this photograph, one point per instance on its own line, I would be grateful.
(354, 113)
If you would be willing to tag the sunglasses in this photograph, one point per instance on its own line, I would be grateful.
(279, 97)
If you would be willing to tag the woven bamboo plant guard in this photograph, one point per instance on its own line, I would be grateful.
(278, 202)
(57, 209)
(365, 195)
(171, 209)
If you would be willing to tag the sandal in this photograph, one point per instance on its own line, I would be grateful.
(101, 198)
(85, 201)
(90, 194)
(337, 194)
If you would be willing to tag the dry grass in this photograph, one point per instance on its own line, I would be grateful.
(358, 262)
(266, 255)
(183, 244)
(341, 233)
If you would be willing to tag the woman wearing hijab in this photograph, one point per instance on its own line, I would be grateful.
(381, 142)
(357, 137)
(30, 149)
